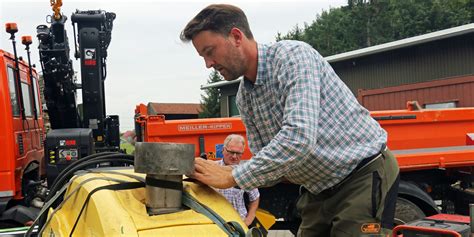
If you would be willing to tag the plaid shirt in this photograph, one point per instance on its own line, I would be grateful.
(236, 197)
(302, 122)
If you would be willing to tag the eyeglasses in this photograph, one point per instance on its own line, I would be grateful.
(232, 153)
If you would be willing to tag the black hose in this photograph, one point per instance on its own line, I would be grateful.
(88, 161)
(70, 166)
(70, 173)
(82, 160)
(62, 180)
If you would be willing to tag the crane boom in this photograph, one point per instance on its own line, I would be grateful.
(77, 130)
(58, 73)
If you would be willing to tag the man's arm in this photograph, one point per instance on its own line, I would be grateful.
(251, 212)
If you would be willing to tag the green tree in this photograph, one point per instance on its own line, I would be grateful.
(295, 34)
(210, 101)
(365, 23)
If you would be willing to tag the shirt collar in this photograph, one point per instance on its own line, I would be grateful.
(261, 64)
(261, 67)
(221, 162)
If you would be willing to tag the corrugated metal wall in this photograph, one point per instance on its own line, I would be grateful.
(459, 90)
(426, 62)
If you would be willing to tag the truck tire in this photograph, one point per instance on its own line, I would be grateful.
(406, 211)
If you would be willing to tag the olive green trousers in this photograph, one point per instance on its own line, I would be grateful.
(363, 204)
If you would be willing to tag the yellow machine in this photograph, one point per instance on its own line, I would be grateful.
(146, 196)
(123, 212)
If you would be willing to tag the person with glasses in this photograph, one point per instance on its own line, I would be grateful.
(303, 124)
(234, 146)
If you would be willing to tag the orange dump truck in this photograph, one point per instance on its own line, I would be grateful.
(434, 148)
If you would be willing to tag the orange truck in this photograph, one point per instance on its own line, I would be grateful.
(21, 137)
(434, 148)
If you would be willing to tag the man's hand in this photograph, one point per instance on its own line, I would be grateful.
(248, 221)
(213, 174)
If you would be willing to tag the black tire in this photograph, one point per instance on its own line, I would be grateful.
(406, 211)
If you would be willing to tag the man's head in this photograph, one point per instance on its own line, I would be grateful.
(217, 33)
(234, 146)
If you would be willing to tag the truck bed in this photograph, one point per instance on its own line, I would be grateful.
(433, 158)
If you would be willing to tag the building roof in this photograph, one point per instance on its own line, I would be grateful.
(403, 43)
(174, 108)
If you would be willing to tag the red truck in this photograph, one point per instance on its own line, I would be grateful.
(434, 148)
(21, 137)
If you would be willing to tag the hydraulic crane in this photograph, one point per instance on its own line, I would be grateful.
(77, 130)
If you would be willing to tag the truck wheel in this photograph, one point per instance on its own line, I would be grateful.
(406, 211)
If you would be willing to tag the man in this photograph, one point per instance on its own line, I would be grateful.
(303, 125)
(234, 146)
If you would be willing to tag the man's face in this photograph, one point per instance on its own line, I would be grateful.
(220, 53)
(233, 152)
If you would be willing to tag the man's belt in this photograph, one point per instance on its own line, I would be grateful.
(366, 161)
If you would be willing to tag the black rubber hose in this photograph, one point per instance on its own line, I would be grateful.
(84, 159)
(54, 186)
(66, 176)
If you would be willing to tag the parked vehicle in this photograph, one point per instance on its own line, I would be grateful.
(29, 156)
(434, 148)
(21, 136)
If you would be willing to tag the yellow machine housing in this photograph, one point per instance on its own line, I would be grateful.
(123, 212)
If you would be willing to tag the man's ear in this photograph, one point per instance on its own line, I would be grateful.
(236, 35)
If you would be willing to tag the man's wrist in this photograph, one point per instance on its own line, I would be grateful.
(231, 180)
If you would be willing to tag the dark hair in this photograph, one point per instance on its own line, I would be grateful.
(218, 18)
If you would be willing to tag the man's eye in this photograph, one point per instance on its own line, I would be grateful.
(209, 53)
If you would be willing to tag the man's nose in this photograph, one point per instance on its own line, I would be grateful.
(209, 62)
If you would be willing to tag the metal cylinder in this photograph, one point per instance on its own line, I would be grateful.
(164, 165)
(163, 200)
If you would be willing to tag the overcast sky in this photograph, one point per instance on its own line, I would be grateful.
(146, 61)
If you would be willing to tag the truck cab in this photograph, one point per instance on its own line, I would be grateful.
(21, 135)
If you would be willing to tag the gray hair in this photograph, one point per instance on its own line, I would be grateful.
(232, 137)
